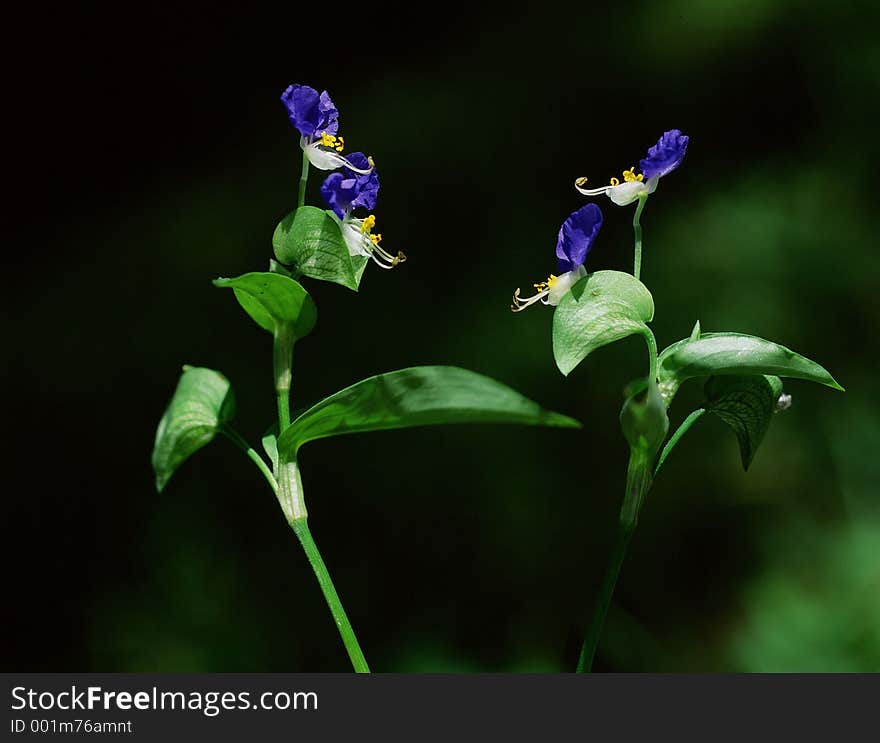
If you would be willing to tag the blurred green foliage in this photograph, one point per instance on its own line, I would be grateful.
(463, 548)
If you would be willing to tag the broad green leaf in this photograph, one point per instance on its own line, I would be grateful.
(202, 402)
(420, 396)
(601, 308)
(733, 353)
(746, 403)
(311, 239)
(274, 301)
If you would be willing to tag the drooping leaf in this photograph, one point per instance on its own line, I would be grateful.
(733, 353)
(419, 396)
(202, 402)
(745, 403)
(601, 308)
(311, 239)
(273, 301)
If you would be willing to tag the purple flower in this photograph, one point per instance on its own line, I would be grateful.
(346, 190)
(666, 155)
(310, 113)
(662, 159)
(317, 120)
(575, 239)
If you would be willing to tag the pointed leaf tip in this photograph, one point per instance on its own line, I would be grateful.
(746, 403)
(418, 396)
(734, 353)
(202, 402)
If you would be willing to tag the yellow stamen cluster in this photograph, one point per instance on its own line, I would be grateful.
(380, 256)
(332, 141)
(544, 285)
(629, 176)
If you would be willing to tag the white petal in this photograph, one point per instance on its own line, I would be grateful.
(627, 192)
(358, 242)
(324, 159)
(563, 285)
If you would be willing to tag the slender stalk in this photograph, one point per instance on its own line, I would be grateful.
(638, 482)
(237, 439)
(290, 494)
(301, 529)
(652, 353)
(282, 362)
(303, 179)
(674, 439)
(637, 229)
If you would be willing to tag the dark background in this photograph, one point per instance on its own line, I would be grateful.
(147, 153)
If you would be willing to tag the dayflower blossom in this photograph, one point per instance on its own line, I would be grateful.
(317, 120)
(358, 187)
(574, 242)
(662, 159)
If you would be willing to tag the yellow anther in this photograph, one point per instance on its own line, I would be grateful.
(376, 238)
(551, 280)
(630, 175)
(582, 181)
(332, 141)
(371, 162)
(368, 224)
(615, 182)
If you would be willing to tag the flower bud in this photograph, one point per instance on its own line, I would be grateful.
(644, 420)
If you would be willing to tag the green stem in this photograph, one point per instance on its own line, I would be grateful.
(637, 229)
(290, 493)
(652, 353)
(638, 482)
(674, 439)
(282, 362)
(303, 179)
(301, 529)
(237, 439)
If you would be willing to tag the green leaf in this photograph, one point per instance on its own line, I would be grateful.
(746, 403)
(274, 301)
(601, 308)
(420, 396)
(270, 446)
(202, 402)
(312, 239)
(733, 353)
(282, 243)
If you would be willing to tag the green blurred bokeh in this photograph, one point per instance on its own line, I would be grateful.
(458, 548)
